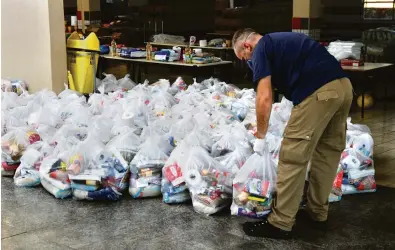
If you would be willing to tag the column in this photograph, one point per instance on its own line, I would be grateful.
(88, 13)
(306, 14)
(33, 43)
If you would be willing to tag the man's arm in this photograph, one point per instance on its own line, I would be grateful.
(264, 100)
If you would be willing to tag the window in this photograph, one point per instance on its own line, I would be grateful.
(379, 9)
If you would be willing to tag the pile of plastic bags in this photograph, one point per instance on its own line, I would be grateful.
(172, 140)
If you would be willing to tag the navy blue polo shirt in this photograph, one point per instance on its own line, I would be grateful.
(298, 65)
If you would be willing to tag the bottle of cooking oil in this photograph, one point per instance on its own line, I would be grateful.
(113, 48)
(148, 50)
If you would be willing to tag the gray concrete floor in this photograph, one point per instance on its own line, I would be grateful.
(33, 219)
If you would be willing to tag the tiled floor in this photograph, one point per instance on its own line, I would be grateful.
(382, 125)
(33, 219)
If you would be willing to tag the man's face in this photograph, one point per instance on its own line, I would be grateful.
(244, 51)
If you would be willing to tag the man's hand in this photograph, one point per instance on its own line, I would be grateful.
(264, 100)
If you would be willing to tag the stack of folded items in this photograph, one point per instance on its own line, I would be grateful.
(345, 49)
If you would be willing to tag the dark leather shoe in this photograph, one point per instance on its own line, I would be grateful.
(304, 216)
(265, 229)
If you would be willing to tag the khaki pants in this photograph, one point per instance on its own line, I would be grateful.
(316, 131)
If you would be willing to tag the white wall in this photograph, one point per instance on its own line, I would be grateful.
(33, 43)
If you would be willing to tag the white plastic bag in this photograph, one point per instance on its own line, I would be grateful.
(126, 83)
(357, 127)
(101, 128)
(109, 83)
(56, 187)
(174, 188)
(15, 142)
(97, 102)
(181, 129)
(44, 116)
(235, 160)
(138, 113)
(225, 145)
(27, 174)
(146, 168)
(8, 100)
(177, 86)
(209, 184)
(253, 187)
(161, 103)
(127, 144)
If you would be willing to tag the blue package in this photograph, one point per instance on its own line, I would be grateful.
(104, 49)
(176, 198)
(171, 190)
(83, 187)
(103, 194)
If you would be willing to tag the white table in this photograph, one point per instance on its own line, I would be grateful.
(193, 46)
(176, 63)
(137, 62)
(367, 67)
